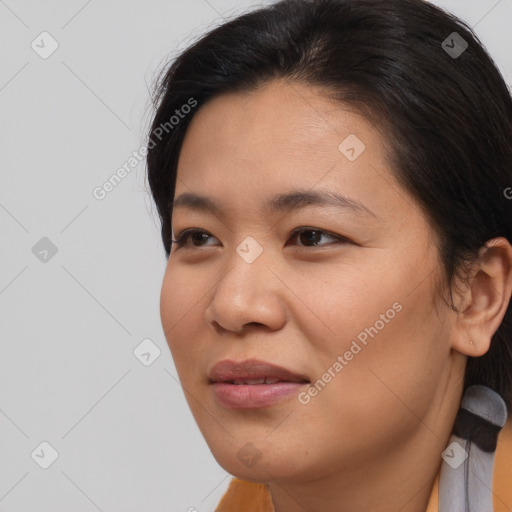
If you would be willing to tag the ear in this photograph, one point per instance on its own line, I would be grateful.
(484, 301)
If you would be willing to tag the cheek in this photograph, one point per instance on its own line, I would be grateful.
(180, 295)
(347, 304)
(377, 400)
(180, 313)
(384, 345)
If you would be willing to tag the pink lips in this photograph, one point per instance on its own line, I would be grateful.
(253, 383)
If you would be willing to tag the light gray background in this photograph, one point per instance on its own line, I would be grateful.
(125, 438)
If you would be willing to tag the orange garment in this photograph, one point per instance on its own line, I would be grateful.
(243, 496)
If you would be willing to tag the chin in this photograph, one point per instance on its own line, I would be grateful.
(258, 464)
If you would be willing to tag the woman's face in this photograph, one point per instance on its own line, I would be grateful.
(348, 305)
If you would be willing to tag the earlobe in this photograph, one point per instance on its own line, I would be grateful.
(485, 300)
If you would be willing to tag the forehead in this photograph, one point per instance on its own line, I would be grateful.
(277, 128)
(246, 147)
(282, 113)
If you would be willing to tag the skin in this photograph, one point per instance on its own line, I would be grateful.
(372, 438)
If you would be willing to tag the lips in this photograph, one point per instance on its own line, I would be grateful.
(252, 372)
(253, 384)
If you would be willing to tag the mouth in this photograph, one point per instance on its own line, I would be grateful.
(252, 371)
(252, 383)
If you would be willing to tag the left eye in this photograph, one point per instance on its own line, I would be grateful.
(304, 234)
(313, 235)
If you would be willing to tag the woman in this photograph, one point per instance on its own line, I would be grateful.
(333, 181)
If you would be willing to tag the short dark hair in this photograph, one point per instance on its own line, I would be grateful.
(448, 116)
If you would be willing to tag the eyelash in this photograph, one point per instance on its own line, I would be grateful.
(185, 234)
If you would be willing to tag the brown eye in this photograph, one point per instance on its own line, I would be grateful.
(198, 237)
(308, 237)
(311, 237)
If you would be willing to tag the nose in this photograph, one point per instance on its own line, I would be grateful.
(247, 294)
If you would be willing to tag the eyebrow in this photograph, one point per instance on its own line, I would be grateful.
(280, 203)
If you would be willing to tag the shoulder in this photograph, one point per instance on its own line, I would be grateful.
(246, 496)
(502, 477)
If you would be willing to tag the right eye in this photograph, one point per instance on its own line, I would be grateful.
(197, 235)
